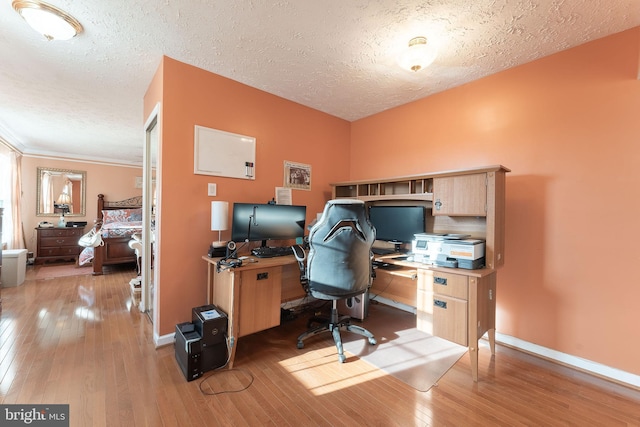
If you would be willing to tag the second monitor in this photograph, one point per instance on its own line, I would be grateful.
(262, 222)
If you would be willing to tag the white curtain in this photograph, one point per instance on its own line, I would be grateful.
(11, 196)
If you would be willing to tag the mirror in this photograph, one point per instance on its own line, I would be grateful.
(60, 191)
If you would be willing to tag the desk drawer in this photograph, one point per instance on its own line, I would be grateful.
(450, 319)
(454, 285)
(396, 285)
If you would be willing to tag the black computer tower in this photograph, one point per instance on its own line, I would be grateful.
(356, 307)
(211, 323)
(188, 349)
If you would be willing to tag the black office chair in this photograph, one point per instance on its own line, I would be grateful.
(338, 265)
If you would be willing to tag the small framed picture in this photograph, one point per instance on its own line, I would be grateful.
(297, 175)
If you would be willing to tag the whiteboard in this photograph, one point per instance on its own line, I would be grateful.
(221, 153)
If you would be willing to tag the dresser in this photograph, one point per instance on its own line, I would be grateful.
(58, 244)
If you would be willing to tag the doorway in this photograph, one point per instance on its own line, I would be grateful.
(150, 200)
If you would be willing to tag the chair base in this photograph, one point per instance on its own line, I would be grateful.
(333, 325)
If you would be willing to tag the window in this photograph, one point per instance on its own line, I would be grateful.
(7, 168)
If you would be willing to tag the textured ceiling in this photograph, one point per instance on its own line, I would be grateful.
(83, 98)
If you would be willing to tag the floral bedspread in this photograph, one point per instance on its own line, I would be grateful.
(115, 223)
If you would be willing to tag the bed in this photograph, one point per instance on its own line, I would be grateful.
(119, 221)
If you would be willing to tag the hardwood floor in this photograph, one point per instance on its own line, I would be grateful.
(80, 341)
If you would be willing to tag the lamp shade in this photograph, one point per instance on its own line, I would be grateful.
(63, 199)
(219, 216)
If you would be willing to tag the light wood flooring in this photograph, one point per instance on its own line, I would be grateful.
(80, 341)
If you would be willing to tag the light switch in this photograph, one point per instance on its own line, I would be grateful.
(212, 189)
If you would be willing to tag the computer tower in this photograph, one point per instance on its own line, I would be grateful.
(211, 323)
(188, 351)
(356, 307)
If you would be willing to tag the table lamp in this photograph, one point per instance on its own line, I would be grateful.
(64, 200)
(219, 221)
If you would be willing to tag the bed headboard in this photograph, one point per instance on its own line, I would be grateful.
(130, 203)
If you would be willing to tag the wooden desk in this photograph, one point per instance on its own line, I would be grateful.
(251, 294)
(452, 303)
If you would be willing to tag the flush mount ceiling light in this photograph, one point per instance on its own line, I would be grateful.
(418, 55)
(51, 22)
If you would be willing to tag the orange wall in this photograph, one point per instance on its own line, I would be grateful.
(115, 182)
(283, 130)
(568, 127)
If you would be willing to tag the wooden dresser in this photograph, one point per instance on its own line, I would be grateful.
(58, 244)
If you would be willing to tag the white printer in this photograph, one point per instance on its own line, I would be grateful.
(448, 250)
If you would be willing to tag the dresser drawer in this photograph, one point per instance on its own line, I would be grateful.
(441, 283)
(61, 232)
(60, 251)
(54, 242)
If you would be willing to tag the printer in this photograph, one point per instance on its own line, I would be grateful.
(448, 250)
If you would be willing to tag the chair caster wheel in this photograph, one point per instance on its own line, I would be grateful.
(342, 358)
(373, 341)
(300, 345)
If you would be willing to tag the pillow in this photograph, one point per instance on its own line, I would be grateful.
(122, 215)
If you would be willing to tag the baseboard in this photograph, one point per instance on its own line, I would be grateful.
(597, 369)
(164, 340)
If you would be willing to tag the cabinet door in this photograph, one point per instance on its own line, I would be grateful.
(260, 291)
(462, 195)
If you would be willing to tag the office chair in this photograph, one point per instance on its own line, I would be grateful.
(338, 266)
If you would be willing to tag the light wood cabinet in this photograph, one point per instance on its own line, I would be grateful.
(462, 195)
(459, 307)
(251, 294)
(260, 299)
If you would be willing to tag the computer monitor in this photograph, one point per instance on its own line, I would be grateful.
(397, 224)
(255, 222)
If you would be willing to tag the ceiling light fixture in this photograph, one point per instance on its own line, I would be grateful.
(418, 55)
(51, 22)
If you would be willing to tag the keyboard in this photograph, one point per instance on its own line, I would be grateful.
(271, 251)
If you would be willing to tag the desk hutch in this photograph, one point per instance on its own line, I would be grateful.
(452, 303)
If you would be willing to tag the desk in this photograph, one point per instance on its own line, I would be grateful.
(452, 303)
(251, 294)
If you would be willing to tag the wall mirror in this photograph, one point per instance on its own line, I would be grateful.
(60, 191)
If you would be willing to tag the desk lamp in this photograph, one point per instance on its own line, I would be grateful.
(219, 221)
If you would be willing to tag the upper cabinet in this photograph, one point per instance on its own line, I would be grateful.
(464, 195)
(467, 201)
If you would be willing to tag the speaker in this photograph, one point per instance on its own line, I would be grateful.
(356, 307)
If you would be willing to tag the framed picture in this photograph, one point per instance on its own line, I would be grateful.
(297, 175)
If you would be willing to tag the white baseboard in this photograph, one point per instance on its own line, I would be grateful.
(163, 340)
(566, 359)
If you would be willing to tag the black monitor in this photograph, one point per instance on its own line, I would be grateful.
(397, 224)
(255, 222)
